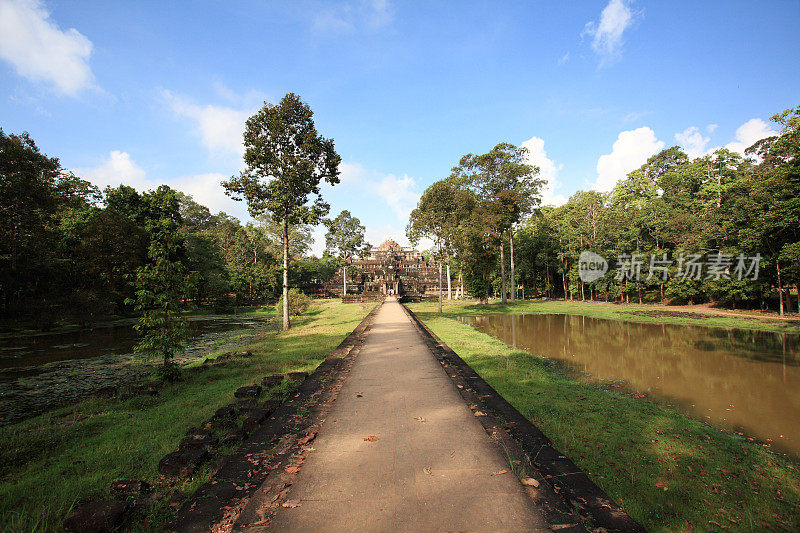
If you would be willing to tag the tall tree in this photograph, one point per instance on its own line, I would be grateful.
(285, 160)
(345, 240)
(435, 217)
(504, 178)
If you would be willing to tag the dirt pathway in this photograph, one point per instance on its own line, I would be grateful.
(401, 451)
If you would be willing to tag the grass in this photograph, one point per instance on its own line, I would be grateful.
(643, 313)
(670, 472)
(51, 462)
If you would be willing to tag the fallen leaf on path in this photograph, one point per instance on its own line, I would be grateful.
(292, 469)
(473, 406)
(308, 438)
(359, 395)
(371, 438)
(500, 472)
(291, 504)
(427, 470)
(419, 419)
(529, 482)
(479, 413)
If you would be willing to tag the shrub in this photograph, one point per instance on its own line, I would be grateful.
(298, 303)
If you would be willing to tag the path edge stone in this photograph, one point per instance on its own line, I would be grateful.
(229, 497)
(564, 489)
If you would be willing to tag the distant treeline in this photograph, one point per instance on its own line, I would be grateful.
(69, 251)
(722, 206)
(701, 224)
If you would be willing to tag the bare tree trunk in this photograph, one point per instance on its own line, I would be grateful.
(547, 270)
(780, 288)
(461, 279)
(440, 286)
(502, 272)
(797, 286)
(286, 324)
(449, 285)
(513, 278)
(344, 279)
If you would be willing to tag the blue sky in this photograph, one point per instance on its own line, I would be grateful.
(157, 92)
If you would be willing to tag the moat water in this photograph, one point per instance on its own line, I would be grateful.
(739, 380)
(23, 354)
(43, 371)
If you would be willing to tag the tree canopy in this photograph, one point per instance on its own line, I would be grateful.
(285, 162)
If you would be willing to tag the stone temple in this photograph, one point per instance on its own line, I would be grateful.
(389, 269)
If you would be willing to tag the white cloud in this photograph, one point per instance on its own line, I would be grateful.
(711, 128)
(399, 193)
(40, 51)
(220, 128)
(206, 189)
(748, 133)
(120, 169)
(630, 151)
(548, 171)
(352, 173)
(373, 235)
(371, 15)
(376, 236)
(564, 59)
(692, 142)
(633, 116)
(607, 40)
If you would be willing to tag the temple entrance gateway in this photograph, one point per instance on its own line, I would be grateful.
(389, 269)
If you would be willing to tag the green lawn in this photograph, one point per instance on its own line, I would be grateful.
(54, 460)
(668, 471)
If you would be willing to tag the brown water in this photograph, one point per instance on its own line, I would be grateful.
(40, 372)
(741, 380)
(20, 356)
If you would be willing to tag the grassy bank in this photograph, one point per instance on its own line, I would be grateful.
(686, 315)
(49, 462)
(669, 472)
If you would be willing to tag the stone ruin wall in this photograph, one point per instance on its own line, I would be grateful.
(389, 269)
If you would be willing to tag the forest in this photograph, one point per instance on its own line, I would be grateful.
(722, 211)
(70, 252)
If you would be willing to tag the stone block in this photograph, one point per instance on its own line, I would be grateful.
(97, 517)
(129, 488)
(249, 391)
(182, 463)
(272, 381)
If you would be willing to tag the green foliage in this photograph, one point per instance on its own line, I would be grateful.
(345, 236)
(719, 202)
(470, 213)
(286, 160)
(345, 240)
(162, 284)
(50, 462)
(298, 303)
(665, 469)
(36, 196)
(71, 254)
